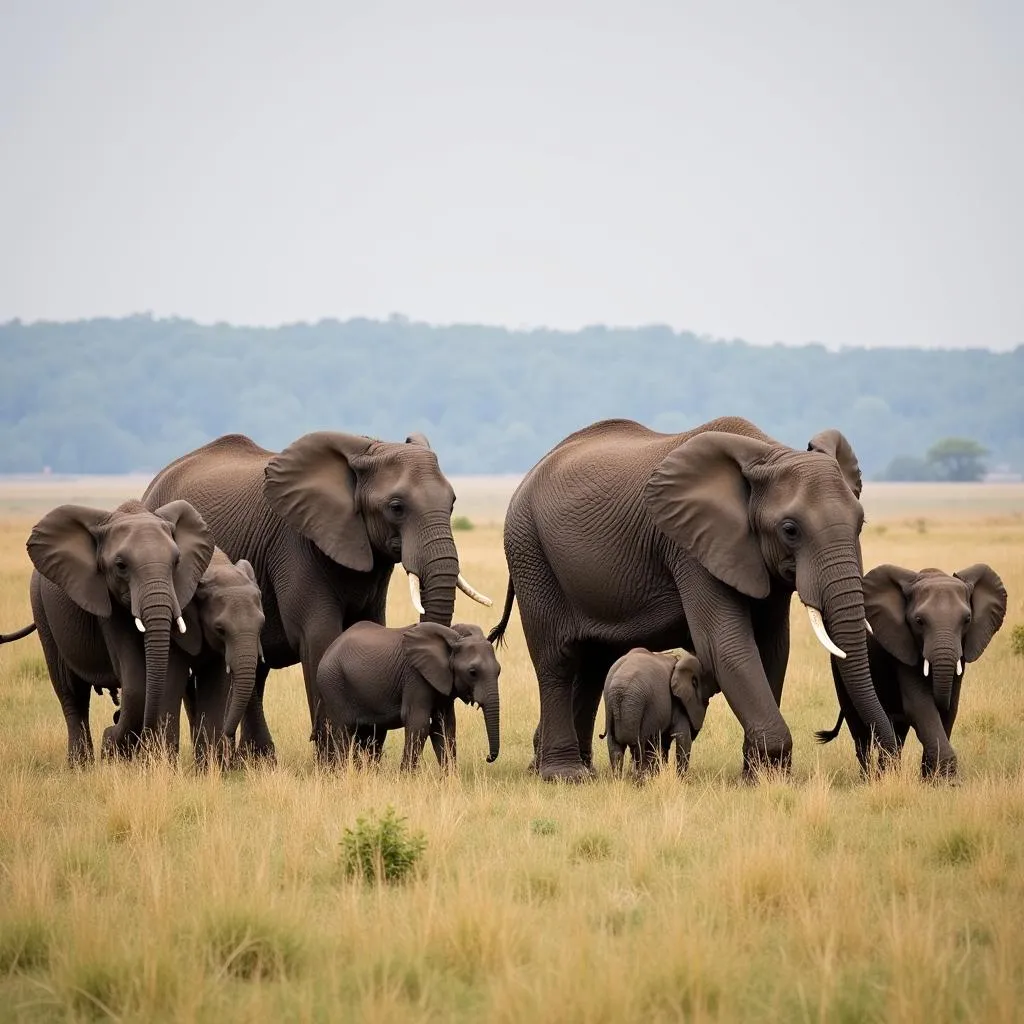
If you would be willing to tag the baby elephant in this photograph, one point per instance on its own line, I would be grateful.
(924, 627)
(373, 679)
(649, 701)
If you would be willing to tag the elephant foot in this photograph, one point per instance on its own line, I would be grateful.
(578, 772)
(945, 771)
(261, 754)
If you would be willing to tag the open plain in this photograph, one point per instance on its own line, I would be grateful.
(140, 892)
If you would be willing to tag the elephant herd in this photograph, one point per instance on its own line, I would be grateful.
(620, 543)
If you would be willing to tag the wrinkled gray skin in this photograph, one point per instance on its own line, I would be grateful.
(948, 620)
(650, 701)
(373, 679)
(323, 524)
(621, 537)
(95, 573)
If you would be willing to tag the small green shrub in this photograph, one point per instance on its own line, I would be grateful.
(381, 849)
(543, 826)
(462, 523)
(1017, 640)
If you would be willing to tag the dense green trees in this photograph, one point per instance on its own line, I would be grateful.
(131, 394)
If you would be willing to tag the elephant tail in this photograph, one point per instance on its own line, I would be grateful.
(8, 638)
(826, 735)
(497, 635)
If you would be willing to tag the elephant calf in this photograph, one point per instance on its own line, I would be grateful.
(924, 626)
(373, 679)
(651, 700)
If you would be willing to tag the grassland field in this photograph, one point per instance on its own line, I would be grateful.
(146, 893)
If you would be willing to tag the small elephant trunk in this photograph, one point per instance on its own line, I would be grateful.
(942, 661)
(493, 729)
(241, 656)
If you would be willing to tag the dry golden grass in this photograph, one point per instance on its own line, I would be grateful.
(145, 893)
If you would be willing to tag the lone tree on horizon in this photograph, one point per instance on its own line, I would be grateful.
(958, 458)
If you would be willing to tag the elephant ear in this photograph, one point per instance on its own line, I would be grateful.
(886, 589)
(684, 684)
(244, 566)
(195, 542)
(833, 443)
(988, 607)
(429, 646)
(699, 497)
(418, 438)
(62, 547)
(191, 641)
(311, 485)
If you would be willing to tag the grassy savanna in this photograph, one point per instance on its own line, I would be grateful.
(146, 893)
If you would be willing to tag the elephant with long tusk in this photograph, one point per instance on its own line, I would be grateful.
(622, 537)
(323, 523)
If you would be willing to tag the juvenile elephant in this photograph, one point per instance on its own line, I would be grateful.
(323, 523)
(925, 626)
(373, 679)
(100, 579)
(651, 700)
(622, 537)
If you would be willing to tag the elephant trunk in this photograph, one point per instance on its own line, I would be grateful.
(943, 657)
(436, 562)
(155, 605)
(241, 656)
(842, 607)
(493, 728)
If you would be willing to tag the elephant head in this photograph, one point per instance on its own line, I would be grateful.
(365, 502)
(150, 563)
(459, 661)
(752, 511)
(690, 688)
(934, 621)
(228, 609)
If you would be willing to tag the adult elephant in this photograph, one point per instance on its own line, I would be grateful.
(322, 523)
(622, 537)
(101, 578)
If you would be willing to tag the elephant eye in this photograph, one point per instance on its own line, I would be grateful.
(120, 565)
(918, 620)
(396, 506)
(790, 531)
(472, 672)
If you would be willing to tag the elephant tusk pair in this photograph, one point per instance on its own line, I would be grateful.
(462, 583)
(818, 625)
(142, 629)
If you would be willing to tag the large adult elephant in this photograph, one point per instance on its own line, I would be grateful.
(622, 537)
(323, 523)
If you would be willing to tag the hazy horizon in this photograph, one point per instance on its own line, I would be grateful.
(816, 172)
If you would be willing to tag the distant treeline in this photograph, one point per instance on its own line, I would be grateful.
(110, 396)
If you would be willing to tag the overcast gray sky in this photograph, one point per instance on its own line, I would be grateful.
(843, 172)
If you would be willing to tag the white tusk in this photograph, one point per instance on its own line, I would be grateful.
(414, 592)
(181, 624)
(867, 626)
(959, 667)
(926, 667)
(138, 625)
(463, 585)
(821, 633)
(228, 667)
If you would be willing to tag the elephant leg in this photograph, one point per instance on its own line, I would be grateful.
(317, 637)
(368, 743)
(650, 753)
(684, 742)
(256, 742)
(124, 737)
(636, 754)
(588, 686)
(770, 619)
(207, 697)
(417, 728)
(442, 736)
(938, 758)
(615, 754)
